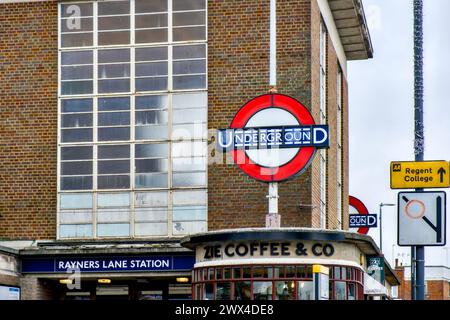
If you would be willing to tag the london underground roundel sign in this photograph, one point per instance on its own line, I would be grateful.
(273, 137)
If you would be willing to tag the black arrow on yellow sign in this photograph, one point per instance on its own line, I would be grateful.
(441, 172)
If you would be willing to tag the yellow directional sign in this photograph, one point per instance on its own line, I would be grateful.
(420, 174)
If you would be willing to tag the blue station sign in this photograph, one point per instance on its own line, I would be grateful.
(362, 220)
(108, 264)
(274, 137)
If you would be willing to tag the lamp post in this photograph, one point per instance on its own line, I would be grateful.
(381, 226)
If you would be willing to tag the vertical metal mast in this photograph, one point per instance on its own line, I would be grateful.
(273, 219)
(418, 252)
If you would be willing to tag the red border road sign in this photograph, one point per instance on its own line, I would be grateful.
(303, 157)
(361, 209)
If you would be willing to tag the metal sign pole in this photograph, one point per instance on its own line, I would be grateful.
(273, 218)
(419, 137)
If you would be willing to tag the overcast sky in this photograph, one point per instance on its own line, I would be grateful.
(381, 109)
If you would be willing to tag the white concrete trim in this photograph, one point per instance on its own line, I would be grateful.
(273, 261)
(334, 34)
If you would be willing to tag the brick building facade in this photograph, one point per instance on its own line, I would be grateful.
(37, 42)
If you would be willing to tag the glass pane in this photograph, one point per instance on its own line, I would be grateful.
(180, 5)
(151, 54)
(113, 7)
(76, 87)
(113, 182)
(290, 272)
(114, 166)
(151, 165)
(305, 290)
(75, 231)
(113, 229)
(76, 120)
(190, 100)
(189, 213)
(113, 118)
(151, 117)
(236, 273)
(187, 149)
(113, 104)
(150, 6)
(208, 291)
(189, 116)
(76, 135)
(75, 216)
(155, 150)
(223, 291)
(116, 85)
(113, 200)
(189, 131)
(340, 290)
(344, 273)
(189, 66)
(180, 228)
(76, 9)
(189, 51)
(189, 179)
(76, 73)
(151, 69)
(151, 132)
(242, 290)
(76, 105)
(76, 183)
(284, 290)
(189, 197)
(76, 40)
(189, 33)
(351, 291)
(151, 21)
(114, 37)
(150, 229)
(113, 55)
(337, 273)
(260, 272)
(76, 57)
(246, 272)
(113, 71)
(110, 215)
(76, 168)
(114, 23)
(151, 214)
(227, 273)
(151, 102)
(76, 153)
(113, 134)
(262, 290)
(155, 180)
(151, 84)
(113, 152)
(189, 82)
(151, 35)
(189, 18)
(151, 199)
(75, 201)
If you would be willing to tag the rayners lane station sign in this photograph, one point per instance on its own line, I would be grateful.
(273, 137)
(420, 174)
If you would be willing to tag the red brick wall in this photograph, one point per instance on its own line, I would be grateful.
(28, 120)
(238, 49)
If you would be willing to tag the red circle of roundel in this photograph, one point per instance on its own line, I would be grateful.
(303, 158)
(361, 208)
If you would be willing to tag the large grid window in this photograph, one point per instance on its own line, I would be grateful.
(132, 118)
(323, 120)
(273, 282)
